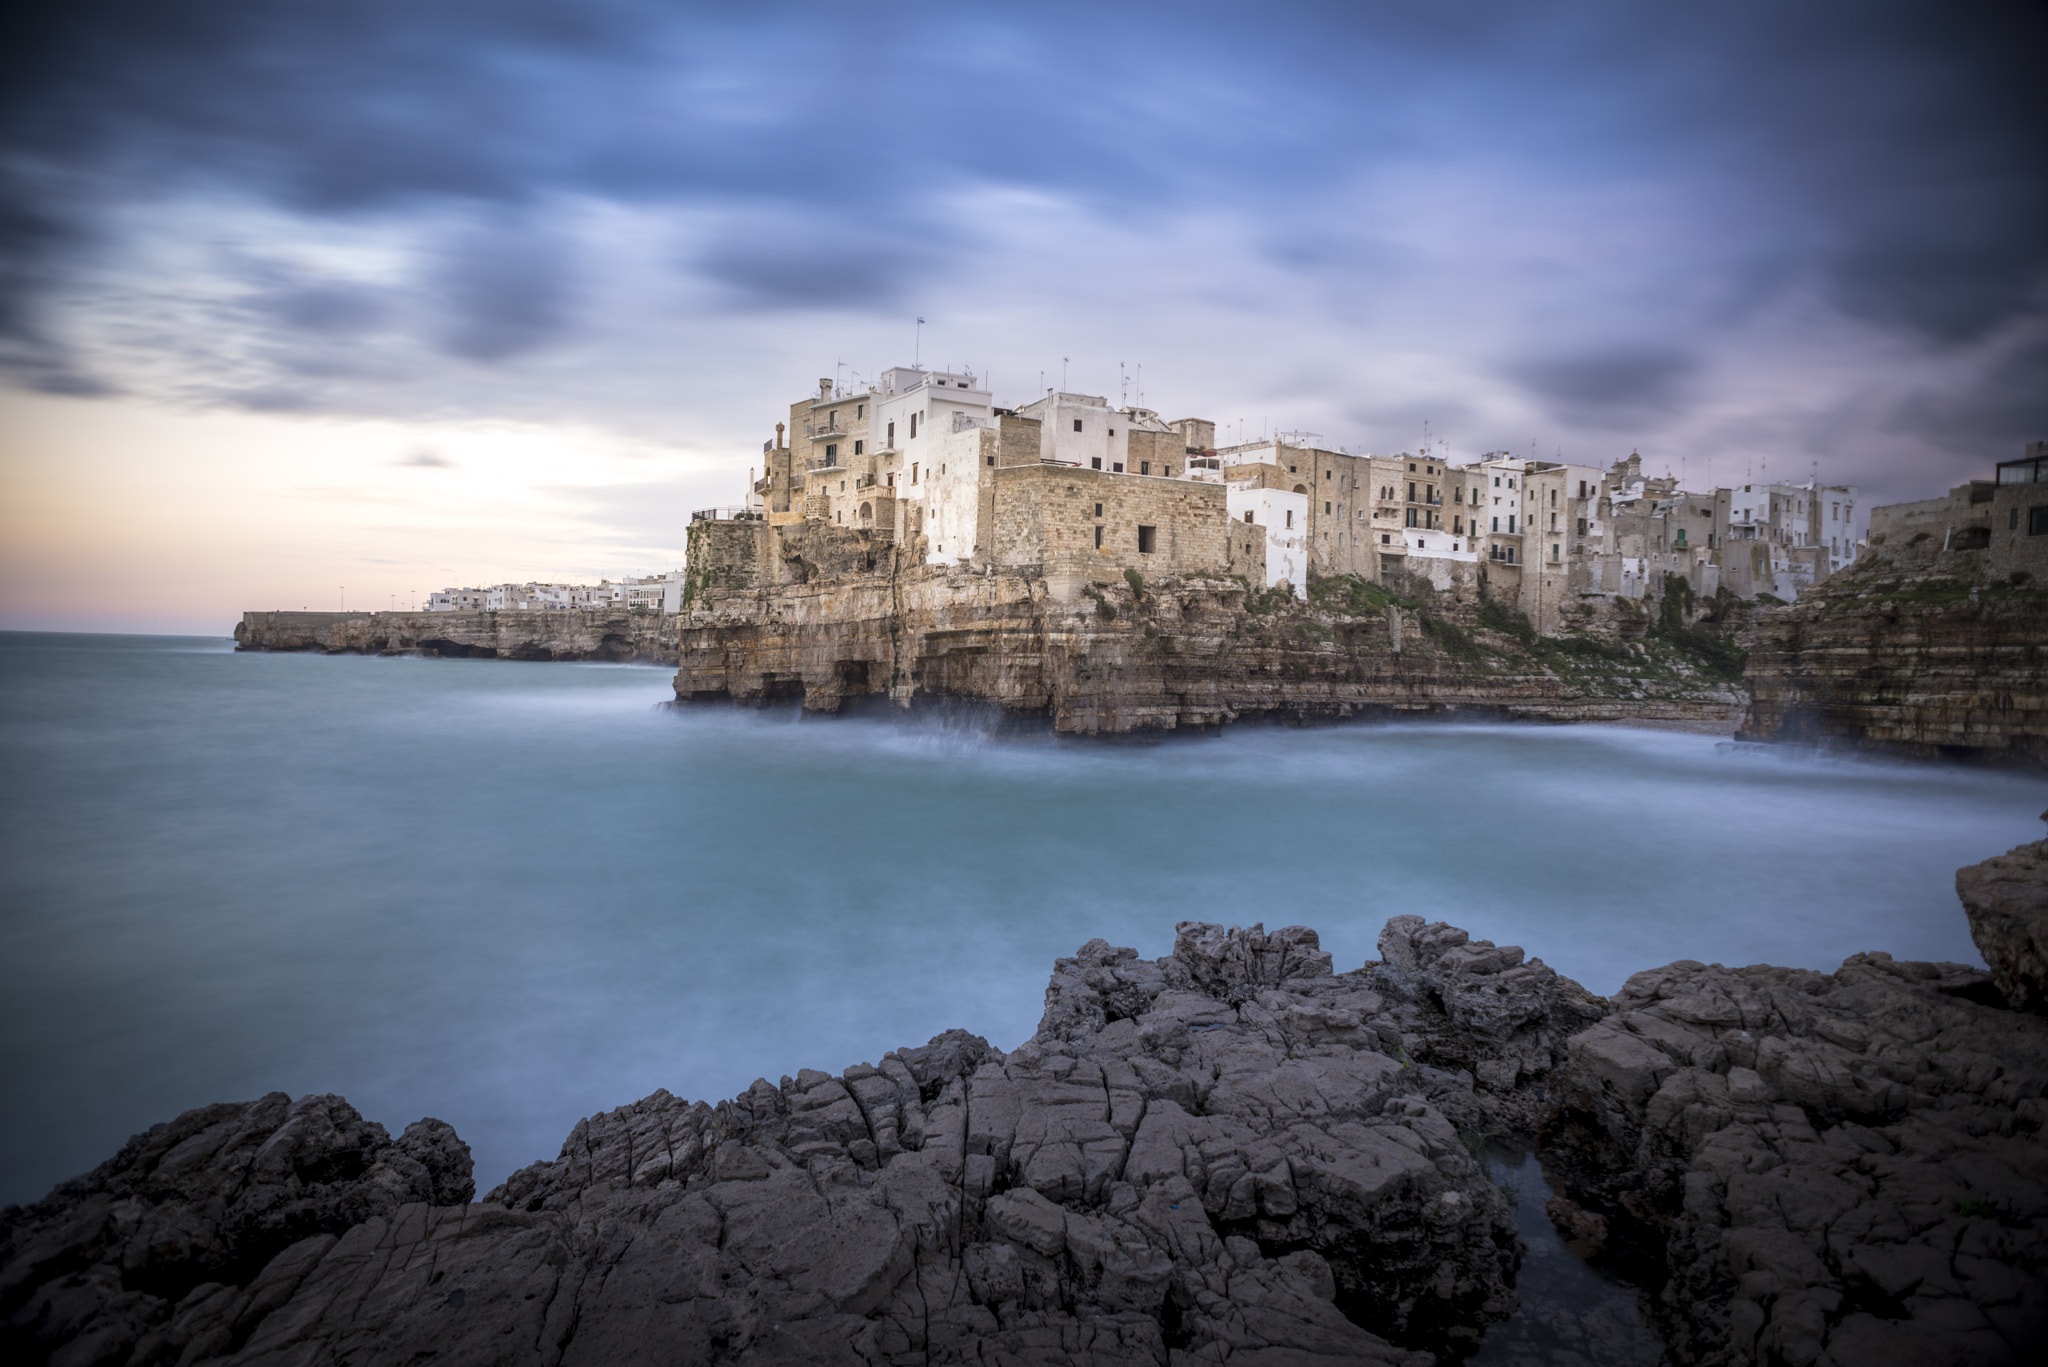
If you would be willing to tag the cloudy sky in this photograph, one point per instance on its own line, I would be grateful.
(395, 295)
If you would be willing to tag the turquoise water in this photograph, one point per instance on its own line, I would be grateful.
(509, 895)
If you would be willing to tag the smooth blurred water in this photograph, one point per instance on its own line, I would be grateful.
(510, 895)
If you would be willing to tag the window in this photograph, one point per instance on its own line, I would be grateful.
(1144, 467)
(1148, 540)
(1077, 424)
(1112, 431)
(1116, 467)
(860, 410)
(913, 472)
(1248, 513)
(1095, 462)
(1385, 539)
(842, 486)
(1553, 498)
(913, 426)
(1582, 526)
(1511, 522)
(1458, 526)
(831, 452)
(858, 447)
(1290, 517)
(1411, 517)
(892, 481)
(1326, 507)
(1098, 538)
(1329, 474)
(832, 419)
(1291, 470)
(1430, 471)
(1098, 510)
(2037, 521)
(1681, 538)
(1496, 524)
(991, 460)
(1411, 467)
(1553, 552)
(1582, 488)
(1411, 491)
(892, 434)
(1496, 481)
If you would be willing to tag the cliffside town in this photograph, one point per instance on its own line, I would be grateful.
(1079, 491)
(1117, 572)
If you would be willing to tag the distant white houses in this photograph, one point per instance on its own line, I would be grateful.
(641, 593)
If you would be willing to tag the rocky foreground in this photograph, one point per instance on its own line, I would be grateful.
(1232, 1154)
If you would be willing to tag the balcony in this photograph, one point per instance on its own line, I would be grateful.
(817, 430)
(725, 514)
(824, 463)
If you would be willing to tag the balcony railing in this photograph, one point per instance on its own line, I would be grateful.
(824, 463)
(725, 514)
(824, 429)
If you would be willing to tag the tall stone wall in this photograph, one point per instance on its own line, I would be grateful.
(1046, 515)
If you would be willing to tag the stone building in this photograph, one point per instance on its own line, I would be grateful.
(2006, 516)
(1085, 490)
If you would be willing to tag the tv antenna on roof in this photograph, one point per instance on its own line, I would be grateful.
(1123, 387)
(1063, 373)
(917, 347)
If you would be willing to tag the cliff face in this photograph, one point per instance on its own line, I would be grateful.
(1913, 650)
(616, 637)
(1136, 656)
(1231, 1153)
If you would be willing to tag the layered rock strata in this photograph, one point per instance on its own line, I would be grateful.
(1913, 650)
(1230, 1154)
(613, 637)
(1141, 656)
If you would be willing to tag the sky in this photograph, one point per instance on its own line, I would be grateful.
(312, 304)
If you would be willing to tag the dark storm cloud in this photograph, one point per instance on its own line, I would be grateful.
(504, 292)
(1886, 155)
(1607, 386)
(812, 265)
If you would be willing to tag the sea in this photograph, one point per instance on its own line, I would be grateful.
(510, 895)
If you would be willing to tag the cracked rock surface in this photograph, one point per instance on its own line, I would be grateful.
(1839, 1168)
(1227, 1154)
(1231, 1154)
(2006, 900)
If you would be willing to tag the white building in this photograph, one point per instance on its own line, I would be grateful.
(1284, 515)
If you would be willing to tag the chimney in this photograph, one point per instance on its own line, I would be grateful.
(824, 389)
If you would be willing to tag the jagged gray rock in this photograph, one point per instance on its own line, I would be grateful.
(1229, 1154)
(2006, 900)
(1839, 1168)
(142, 1259)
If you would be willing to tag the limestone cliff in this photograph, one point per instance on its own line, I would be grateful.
(1914, 650)
(1136, 655)
(1233, 1153)
(616, 637)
